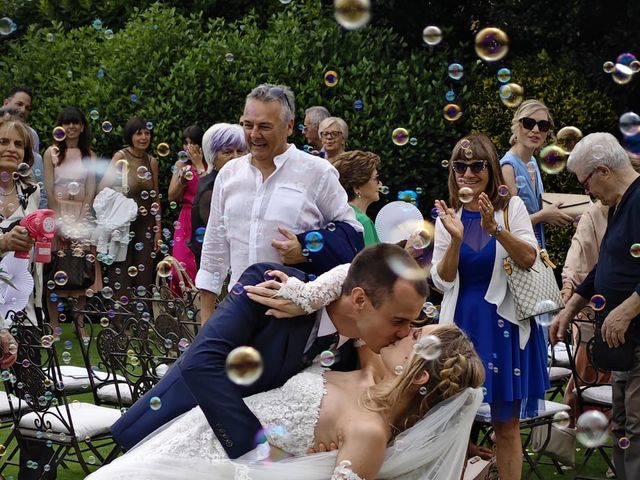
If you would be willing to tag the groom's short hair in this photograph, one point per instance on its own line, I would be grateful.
(376, 270)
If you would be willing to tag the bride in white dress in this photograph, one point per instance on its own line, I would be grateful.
(374, 415)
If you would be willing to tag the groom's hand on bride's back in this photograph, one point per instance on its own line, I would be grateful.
(321, 447)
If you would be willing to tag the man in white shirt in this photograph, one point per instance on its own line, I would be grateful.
(276, 204)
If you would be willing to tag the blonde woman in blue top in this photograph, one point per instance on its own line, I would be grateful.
(532, 124)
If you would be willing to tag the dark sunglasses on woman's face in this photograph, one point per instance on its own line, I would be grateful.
(476, 167)
(529, 123)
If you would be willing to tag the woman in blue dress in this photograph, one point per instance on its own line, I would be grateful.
(471, 242)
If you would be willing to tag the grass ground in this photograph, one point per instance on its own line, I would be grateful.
(596, 467)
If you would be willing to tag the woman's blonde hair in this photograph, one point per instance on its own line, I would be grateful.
(342, 126)
(525, 109)
(457, 367)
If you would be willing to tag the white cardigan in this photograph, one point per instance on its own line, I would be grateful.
(498, 292)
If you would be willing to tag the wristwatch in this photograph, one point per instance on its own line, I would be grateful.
(498, 231)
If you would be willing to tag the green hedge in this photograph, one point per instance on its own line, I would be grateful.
(176, 66)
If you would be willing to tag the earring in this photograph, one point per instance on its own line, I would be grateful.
(358, 194)
(422, 390)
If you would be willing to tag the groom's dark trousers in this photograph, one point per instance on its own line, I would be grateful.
(199, 377)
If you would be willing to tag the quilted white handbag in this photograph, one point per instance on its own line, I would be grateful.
(535, 290)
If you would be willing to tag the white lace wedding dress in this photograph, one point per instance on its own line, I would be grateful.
(187, 447)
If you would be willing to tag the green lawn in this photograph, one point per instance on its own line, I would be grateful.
(597, 466)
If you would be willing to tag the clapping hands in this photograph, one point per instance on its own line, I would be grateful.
(450, 220)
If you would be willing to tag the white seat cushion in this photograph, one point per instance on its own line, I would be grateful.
(560, 354)
(88, 420)
(549, 408)
(162, 369)
(602, 394)
(76, 379)
(558, 373)
(108, 393)
(4, 403)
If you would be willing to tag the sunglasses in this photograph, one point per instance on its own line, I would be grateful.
(280, 93)
(529, 123)
(476, 167)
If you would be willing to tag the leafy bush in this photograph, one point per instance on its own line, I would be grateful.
(177, 66)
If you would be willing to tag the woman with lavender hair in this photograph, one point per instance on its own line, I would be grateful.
(221, 143)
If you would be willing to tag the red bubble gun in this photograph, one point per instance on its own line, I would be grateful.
(41, 226)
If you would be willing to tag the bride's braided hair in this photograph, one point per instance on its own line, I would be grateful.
(456, 368)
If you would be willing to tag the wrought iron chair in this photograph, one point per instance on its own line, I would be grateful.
(591, 385)
(40, 410)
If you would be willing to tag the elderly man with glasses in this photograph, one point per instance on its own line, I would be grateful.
(603, 168)
(312, 118)
(276, 204)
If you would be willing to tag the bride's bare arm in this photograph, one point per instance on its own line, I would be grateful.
(361, 451)
(289, 297)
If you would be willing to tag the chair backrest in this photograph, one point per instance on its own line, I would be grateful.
(579, 340)
(130, 348)
(35, 379)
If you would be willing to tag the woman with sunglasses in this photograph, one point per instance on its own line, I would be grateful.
(333, 133)
(531, 125)
(470, 243)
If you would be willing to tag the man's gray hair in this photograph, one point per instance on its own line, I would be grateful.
(266, 92)
(600, 148)
(317, 114)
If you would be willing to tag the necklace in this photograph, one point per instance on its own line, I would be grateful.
(6, 194)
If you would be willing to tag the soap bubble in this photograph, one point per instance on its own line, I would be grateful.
(352, 14)
(313, 241)
(428, 347)
(97, 24)
(450, 96)
(511, 95)
(94, 114)
(155, 403)
(199, 234)
(400, 136)
(244, 365)
(383, 189)
(598, 302)
(552, 159)
(107, 127)
(7, 26)
(456, 71)
(503, 190)
(358, 105)
(592, 428)
(629, 123)
(60, 278)
(164, 268)
(561, 419)
(492, 44)
(465, 195)
(59, 134)
(504, 75)
(634, 251)
(567, 138)
(608, 66)
(432, 35)
(624, 443)
(622, 74)
(229, 57)
(452, 112)
(73, 188)
(163, 149)
(327, 358)
(331, 78)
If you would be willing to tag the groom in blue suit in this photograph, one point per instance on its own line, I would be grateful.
(376, 305)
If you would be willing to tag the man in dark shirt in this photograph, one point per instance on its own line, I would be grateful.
(603, 168)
